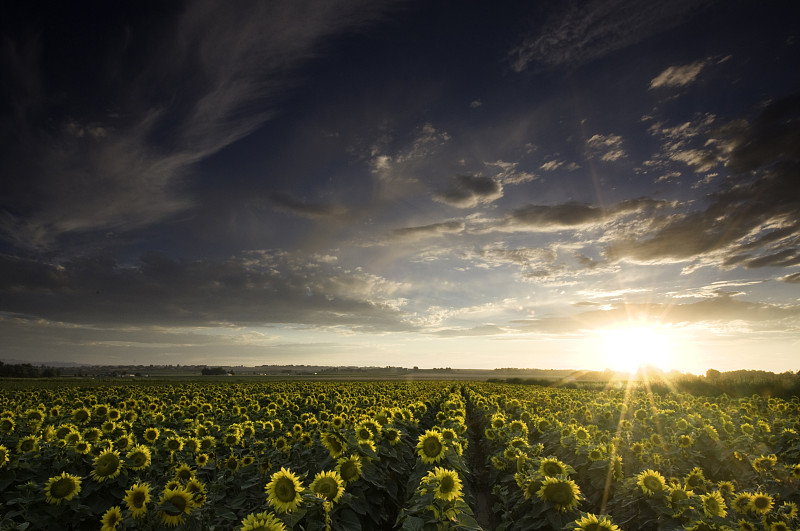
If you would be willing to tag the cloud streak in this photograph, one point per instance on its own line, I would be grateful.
(256, 288)
(215, 77)
(581, 32)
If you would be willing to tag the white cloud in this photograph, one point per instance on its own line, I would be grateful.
(678, 76)
(607, 148)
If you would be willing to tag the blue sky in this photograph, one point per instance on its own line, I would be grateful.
(401, 183)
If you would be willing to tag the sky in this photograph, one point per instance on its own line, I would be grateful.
(561, 185)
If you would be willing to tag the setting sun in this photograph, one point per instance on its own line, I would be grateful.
(626, 349)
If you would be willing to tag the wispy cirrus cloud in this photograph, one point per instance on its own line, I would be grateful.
(124, 169)
(579, 32)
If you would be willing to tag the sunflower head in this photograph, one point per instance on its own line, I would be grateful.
(592, 522)
(61, 488)
(334, 443)
(328, 485)
(349, 468)
(284, 491)
(551, 467)
(741, 502)
(695, 480)
(136, 499)
(175, 503)
(651, 482)
(263, 521)
(445, 483)
(111, 518)
(561, 491)
(713, 504)
(138, 457)
(183, 473)
(430, 447)
(761, 503)
(107, 465)
(392, 435)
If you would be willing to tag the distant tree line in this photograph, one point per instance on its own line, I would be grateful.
(735, 384)
(26, 370)
(215, 371)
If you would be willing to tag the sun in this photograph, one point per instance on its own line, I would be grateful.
(627, 348)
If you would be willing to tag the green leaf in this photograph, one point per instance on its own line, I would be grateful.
(412, 523)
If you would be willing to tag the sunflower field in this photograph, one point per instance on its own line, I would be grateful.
(393, 455)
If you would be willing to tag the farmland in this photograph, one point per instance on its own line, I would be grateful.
(314, 455)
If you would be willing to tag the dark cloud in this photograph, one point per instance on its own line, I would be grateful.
(575, 215)
(753, 219)
(469, 191)
(256, 288)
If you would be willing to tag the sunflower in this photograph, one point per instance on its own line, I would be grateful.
(201, 460)
(136, 499)
(685, 441)
(651, 482)
(231, 463)
(363, 432)
(430, 447)
(111, 518)
(284, 491)
(726, 488)
(27, 444)
(183, 473)
(561, 491)
(63, 487)
(595, 454)
(778, 526)
(551, 467)
(175, 504)
(151, 435)
(262, 522)
(741, 502)
(138, 457)
(173, 444)
(713, 504)
(761, 503)
(123, 442)
(81, 415)
(447, 484)
(7, 425)
(678, 498)
(764, 463)
(334, 443)
(592, 522)
(695, 480)
(349, 468)
(107, 465)
(328, 485)
(197, 489)
(92, 435)
(744, 525)
(3, 456)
